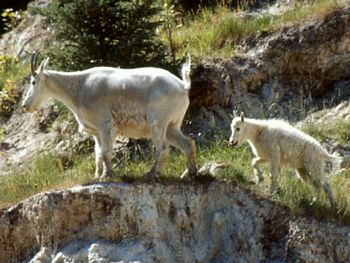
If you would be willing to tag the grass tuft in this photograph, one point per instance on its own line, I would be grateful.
(46, 173)
(339, 131)
(216, 33)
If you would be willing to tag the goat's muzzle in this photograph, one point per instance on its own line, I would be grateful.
(233, 144)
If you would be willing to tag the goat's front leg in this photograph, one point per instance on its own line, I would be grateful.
(106, 150)
(256, 166)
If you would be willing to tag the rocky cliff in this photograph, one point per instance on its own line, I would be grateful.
(170, 222)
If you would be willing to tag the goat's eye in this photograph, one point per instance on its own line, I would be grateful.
(33, 83)
(238, 129)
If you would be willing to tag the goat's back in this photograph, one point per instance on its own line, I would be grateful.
(294, 145)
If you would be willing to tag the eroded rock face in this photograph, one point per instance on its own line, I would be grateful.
(283, 75)
(177, 222)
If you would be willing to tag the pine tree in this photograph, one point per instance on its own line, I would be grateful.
(104, 32)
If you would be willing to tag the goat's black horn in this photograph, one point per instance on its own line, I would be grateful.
(33, 62)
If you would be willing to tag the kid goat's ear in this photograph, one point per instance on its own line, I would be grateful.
(242, 116)
(233, 114)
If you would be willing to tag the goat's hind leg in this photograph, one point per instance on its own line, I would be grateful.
(162, 150)
(186, 145)
(319, 181)
(98, 157)
(327, 188)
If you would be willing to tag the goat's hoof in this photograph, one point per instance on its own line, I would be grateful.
(188, 173)
(105, 177)
(334, 205)
(259, 179)
(194, 174)
(150, 177)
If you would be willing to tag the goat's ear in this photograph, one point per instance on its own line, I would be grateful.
(233, 114)
(242, 116)
(46, 63)
(43, 65)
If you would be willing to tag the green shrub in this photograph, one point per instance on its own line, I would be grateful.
(10, 19)
(106, 32)
(12, 72)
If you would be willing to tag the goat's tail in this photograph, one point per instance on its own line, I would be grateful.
(186, 69)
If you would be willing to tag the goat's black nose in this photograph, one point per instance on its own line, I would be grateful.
(233, 144)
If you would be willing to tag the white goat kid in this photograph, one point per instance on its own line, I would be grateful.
(277, 143)
(106, 102)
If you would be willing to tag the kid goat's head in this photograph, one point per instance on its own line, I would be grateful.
(238, 131)
(37, 92)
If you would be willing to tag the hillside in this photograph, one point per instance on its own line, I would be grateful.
(54, 211)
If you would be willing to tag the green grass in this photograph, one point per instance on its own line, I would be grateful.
(47, 172)
(216, 33)
(175, 165)
(52, 172)
(302, 198)
(338, 131)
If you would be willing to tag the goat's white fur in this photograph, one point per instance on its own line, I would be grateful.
(278, 143)
(106, 102)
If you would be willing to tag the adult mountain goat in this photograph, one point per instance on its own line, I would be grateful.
(133, 103)
(277, 143)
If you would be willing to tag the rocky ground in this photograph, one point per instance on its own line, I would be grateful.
(171, 222)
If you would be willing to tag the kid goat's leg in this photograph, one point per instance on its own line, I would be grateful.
(256, 166)
(318, 179)
(275, 157)
(328, 190)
